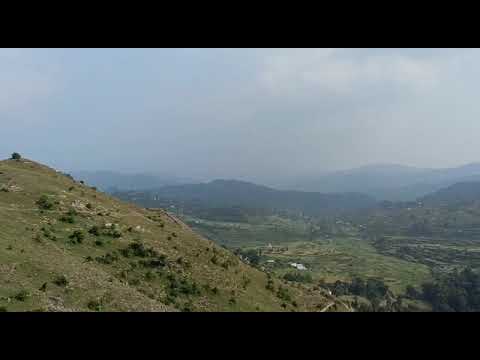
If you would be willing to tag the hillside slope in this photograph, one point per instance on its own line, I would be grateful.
(67, 247)
(462, 192)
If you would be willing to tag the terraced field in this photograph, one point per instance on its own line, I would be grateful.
(327, 258)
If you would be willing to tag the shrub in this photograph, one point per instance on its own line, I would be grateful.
(112, 232)
(21, 295)
(16, 156)
(270, 285)
(61, 281)
(283, 294)
(72, 212)
(71, 188)
(139, 250)
(182, 286)
(107, 259)
(77, 236)
(149, 276)
(154, 263)
(67, 219)
(98, 243)
(298, 277)
(94, 305)
(44, 203)
(94, 230)
(3, 309)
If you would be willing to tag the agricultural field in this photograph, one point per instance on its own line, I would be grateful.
(327, 257)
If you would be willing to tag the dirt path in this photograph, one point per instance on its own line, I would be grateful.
(327, 307)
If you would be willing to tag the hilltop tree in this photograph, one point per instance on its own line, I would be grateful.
(16, 156)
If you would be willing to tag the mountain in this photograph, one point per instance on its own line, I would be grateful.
(234, 193)
(463, 192)
(66, 247)
(390, 182)
(110, 180)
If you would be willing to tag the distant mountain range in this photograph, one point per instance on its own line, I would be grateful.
(233, 193)
(113, 181)
(463, 192)
(389, 181)
(382, 182)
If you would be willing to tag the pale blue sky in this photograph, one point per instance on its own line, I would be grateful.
(255, 114)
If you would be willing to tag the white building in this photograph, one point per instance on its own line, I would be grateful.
(298, 266)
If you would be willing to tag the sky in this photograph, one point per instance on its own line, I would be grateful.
(251, 114)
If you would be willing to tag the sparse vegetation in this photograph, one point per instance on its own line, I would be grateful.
(44, 203)
(107, 259)
(61, 281)
(22, 295)
(77, 236)
(158, 275)
(298, 277)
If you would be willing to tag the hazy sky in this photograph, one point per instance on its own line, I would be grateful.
(254, 114)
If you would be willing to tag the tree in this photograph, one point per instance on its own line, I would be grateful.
(16, 156)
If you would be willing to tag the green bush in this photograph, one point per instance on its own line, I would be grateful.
(61, 281)
(298, 277)
(67, 219)
(107, 259)
(139, 250)
(22, 295)
(270, 284)
(44, 203)
(94, 305)
(94, 230)
(158, 262)
(283, 294)
(77, 236)
(16, 156)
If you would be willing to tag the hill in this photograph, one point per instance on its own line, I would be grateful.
(64, 246)
(233, 193)
(390, 182)
(463, 192)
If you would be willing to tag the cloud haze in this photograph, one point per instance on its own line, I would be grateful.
(255, 114)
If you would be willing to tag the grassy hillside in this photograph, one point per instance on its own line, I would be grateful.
(66, 247)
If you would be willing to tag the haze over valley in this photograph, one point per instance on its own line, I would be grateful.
(239, 180)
